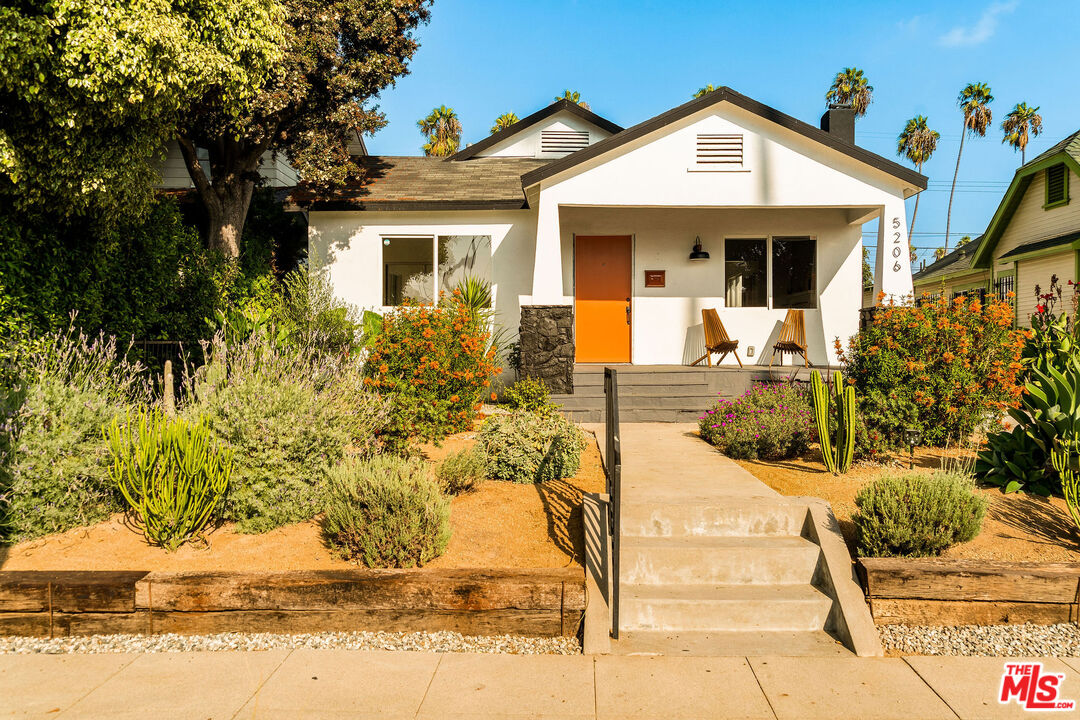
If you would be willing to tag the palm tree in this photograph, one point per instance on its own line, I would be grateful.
(850, 87)
(704, 91)
(443, 131)
(1020, 125)
(917, 143)
(974, 101)
(504, 121)
(573, 96)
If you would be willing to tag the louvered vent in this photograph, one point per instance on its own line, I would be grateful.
(1056, 187)
(719, 150)
(563, 141)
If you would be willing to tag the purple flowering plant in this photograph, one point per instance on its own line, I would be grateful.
(770, 421)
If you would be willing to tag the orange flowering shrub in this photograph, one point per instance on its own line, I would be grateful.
(943, 367)
(436, 363)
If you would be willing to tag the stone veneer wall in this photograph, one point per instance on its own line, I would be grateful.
(547, 345)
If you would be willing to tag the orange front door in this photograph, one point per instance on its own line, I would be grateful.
(603, 273)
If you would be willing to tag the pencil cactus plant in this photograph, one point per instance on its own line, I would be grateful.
(837, 457)
(1065, 459)
(171, 473)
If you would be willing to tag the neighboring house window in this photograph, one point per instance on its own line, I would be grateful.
(744, 272)
(1057, 185)
(563, 141)
(979, 293)
(409, 266)
(794, 272)
(719, 151)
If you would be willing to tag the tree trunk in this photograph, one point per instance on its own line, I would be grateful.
(948, 216)
(226, 216)
(911, 225)
(226, 195)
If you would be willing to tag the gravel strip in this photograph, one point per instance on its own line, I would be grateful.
(418, 641)
(1027, 640)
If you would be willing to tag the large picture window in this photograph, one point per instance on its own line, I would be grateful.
(794, 272)
(409, 265)
(744, 272)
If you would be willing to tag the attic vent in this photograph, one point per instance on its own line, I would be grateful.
(563, 141)
(1057, 185)
(719, 149)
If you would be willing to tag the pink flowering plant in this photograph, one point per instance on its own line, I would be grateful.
(771, 421)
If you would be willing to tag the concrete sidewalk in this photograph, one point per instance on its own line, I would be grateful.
(341, 683)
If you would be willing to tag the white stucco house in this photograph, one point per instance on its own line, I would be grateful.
(589, 232)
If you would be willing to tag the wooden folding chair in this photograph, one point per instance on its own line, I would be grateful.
(792, 338)
(716, 338)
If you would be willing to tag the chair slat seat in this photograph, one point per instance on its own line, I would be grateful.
(792, 338)
(716, 338)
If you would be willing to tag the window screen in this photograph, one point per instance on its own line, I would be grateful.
(744, 272)
(794, 268)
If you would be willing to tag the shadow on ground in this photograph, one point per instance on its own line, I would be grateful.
(1037, 519)
(562, 504)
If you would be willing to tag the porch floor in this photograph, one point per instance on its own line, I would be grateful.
(668, 393)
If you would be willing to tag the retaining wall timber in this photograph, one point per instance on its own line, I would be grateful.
(938, 591)
(547, 602)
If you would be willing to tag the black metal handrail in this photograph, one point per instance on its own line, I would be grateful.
(613, 480)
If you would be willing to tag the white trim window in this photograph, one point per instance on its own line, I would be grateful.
(409, 265)
(770, 272)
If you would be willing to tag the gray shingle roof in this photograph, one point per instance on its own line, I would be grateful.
(1070, 144)
(426, 183)
(958, 261)
(1059, 241)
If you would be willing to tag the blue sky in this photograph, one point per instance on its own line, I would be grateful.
(632, 60)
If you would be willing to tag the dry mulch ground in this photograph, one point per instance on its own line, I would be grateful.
(500, 525)
(1017, 528)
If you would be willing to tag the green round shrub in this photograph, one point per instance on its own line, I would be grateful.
(530, 447)
(916, 515)
(386, 511)
(463, 471)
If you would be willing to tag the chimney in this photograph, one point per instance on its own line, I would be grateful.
(839, 121)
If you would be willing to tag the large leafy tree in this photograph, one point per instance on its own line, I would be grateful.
(336, 56)
(90, 90)
(917, 142)
(442, 128)
(1021, 124)
(974, 101)
(850, 87)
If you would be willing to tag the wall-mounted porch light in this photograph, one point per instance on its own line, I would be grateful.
(697, 253)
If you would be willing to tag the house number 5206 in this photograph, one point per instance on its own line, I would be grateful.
(897, 244)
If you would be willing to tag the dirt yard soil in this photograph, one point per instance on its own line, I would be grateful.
(1017, 528)
(500, 525)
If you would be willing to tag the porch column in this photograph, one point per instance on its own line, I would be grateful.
(547, 286)
(892, 274)
(546, 335)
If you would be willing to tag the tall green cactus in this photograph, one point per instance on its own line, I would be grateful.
(837, 458)
(170, 472)
(1063, 457)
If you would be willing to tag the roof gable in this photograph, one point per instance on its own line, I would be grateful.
(559, 106)
(957, 262)
(1066, 151)
(724, 94)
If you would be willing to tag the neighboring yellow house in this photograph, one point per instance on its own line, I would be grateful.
(1034, 234)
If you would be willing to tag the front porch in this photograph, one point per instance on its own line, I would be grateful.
(667, 393)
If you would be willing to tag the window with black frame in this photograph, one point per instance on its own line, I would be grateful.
(794, 272)
(745, 264)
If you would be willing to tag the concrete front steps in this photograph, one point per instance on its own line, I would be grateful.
(738, 576)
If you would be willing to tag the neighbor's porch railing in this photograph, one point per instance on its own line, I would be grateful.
(613, 477)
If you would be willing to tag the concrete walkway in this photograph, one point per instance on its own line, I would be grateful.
(353, 684)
